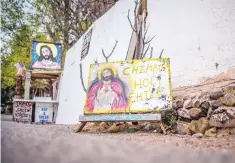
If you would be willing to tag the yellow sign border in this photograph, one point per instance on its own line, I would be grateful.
(166, 60)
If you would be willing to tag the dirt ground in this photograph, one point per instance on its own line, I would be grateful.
(184, 141)
(57, 143)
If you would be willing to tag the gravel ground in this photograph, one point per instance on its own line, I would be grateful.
(28, 143)
(184, 141)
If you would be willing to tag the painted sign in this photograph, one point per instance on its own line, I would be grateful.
(46, 55)
(28, 76)
(86, 44)
(129, 87)
(22, 111)
(44, 112)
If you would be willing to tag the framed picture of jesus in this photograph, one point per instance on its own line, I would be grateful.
(46, 55)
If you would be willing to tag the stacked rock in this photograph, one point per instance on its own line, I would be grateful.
(205, 112)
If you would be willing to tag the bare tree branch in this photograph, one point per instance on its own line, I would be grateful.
(149, 40)
(106, 57)
(146, 29)
(145, 42)
(128, 16)
(151, 53)
(160, 56)
(143, 56)
(81, 77)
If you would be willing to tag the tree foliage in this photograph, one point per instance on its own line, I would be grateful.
(22, 21)
(67, 20)
(17, 54)
(18, 31)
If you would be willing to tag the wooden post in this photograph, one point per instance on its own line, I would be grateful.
(82, 126)
(132, 45)
(54, 89)
(51, 88)
(27, 85)
(18, 87)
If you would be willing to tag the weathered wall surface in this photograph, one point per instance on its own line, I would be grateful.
(195, 36)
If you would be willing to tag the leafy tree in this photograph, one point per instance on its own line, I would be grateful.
(17, 54)
(67, 20)
(16, 15)
(18, 31)
(12, 17)
(22, 21)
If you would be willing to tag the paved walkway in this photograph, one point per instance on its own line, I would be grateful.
(25, 143)
(5, 117)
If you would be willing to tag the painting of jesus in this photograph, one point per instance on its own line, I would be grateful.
(106, 93)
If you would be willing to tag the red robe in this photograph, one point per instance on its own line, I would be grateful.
(118, 104)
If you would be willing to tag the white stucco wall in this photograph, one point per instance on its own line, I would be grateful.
(195, 34)
(110, 27)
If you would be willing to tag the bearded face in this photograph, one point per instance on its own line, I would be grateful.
(45, 53)
(107, 75)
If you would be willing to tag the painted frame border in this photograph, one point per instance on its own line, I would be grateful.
(47, 42)
(127, 111)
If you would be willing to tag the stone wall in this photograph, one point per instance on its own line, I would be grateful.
(206, 107)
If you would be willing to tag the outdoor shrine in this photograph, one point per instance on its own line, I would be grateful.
(40, 101)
